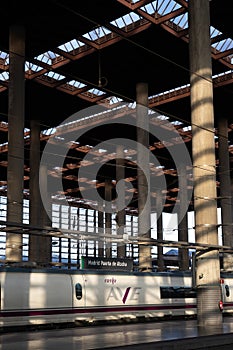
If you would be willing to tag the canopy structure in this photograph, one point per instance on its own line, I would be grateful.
(81, 54)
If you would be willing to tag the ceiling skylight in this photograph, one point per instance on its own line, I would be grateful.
(125, 20)
(76, 84)
(162, 7)
(4, 76)
(113, 99)
(97, 33)
(32, 67)
(71, 45)
(96, 92)
(214, 32)
(47, 57)
(54, 75)
(223, 45)
(4, 56)
(181, 21)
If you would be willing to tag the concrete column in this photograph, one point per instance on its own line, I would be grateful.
(44, 249)
(78, 242)
(108, 216)
(204, 172)
(120, 219)
(183, 253)
(94, 224)
(100, 230)
(35, 201)
(159, 203)
(15, 168)
(144, 205)
(183, 220)
(225, 193)
(161, 266)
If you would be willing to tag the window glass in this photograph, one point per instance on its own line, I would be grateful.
(78, 291)
(177, 292)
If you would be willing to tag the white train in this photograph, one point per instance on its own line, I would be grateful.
(33, 297)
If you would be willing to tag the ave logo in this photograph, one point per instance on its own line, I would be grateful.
(130, 293)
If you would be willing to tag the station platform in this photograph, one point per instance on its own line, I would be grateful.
(165, 335)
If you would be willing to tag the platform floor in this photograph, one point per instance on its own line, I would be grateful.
(177, 334)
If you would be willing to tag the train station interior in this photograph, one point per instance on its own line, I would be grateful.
(116, 133)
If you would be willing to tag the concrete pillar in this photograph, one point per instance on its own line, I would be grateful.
(94, 224)
(225, 193)
(183, 253)
(144, 205)
(183, 220)
(100, 230)
(161, 266)
(15, 168)
(44, 245)
(120, 219)
(35, 201)
(204, 172)
(78, 242)
(108, 216)
(159, 203)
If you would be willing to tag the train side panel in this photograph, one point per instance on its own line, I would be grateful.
(116, 296)
(35, 298)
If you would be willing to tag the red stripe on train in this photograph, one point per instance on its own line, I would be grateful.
(14, 313)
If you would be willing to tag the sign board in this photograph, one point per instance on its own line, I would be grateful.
(116, 264)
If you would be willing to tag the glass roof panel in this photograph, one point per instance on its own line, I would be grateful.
(96, 92)
(223, 45)
(220, 74)
(149, 8)
(31, 66)
(187, 128)
(181, 21)
(125, 20)
(4, 76)
(49, 131)
(54, 75)
(76, 84)
(97, 33)
(162, 117)
(3, 55)
(214, 32)
(71, 45)
(47, 57)
(176, 122)
(167, 6)
(113, 99)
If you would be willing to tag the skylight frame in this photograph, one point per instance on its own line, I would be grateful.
(76, 84)
(127, 20)
(180, 21)
(54, 75)
(72, 45)
(47, 57)
(166, 7)
(223, 45)
(4, 57)
(97, 34)
(4, 76)
(34, 68)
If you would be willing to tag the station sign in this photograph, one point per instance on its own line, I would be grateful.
(116, 264)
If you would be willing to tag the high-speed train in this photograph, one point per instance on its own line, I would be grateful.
(39, 297)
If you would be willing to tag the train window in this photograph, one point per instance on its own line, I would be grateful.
(177, 292)
(227, 290)
(78, 291)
